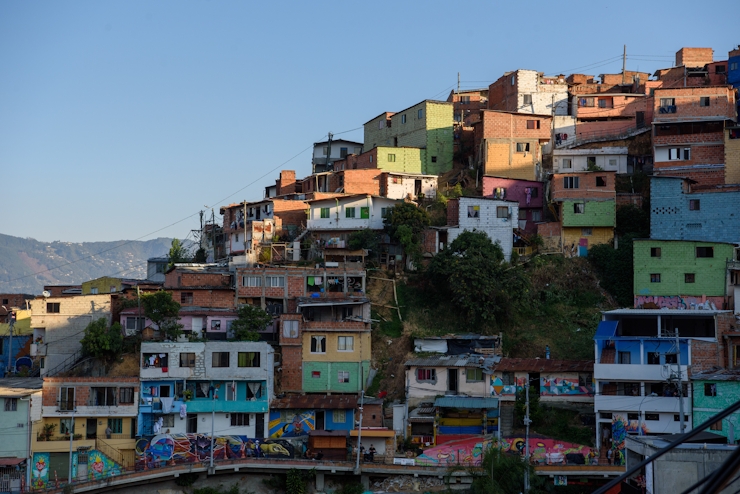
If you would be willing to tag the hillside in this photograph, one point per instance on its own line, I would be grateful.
(20, 258)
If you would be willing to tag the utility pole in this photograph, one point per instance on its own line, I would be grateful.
(213, 233)
(213, 421)
(328, 151)
(458, 83)
(526, 437)
(245, 230)
(624, 64)
(11, 323)
(680, 384)
(359, 430)
(71, 439)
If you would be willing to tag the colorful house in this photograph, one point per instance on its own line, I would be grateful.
(713, 391)
(296, 415)
(20, 348)
(681, 273)
(17, 394)
(556, 381)
(529, 194)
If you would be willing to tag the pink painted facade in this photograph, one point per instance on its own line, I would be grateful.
(528, 193)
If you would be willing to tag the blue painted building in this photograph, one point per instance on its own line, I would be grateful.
(679, 213)
(296, 416)
(186, 385)
(20, 347)
(733, 71)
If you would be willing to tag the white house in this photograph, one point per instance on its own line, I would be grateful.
(408, 185)
(612, 159)
(349, 213)
(340, 149)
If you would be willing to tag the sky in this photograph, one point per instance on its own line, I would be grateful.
(122, 120)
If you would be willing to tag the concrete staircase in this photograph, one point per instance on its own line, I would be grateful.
(506, 418)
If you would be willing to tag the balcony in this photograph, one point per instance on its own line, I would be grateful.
(203, 405)
(640, 404)
(636, 372)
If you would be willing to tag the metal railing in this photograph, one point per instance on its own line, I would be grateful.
(126, 460)
(66, 364)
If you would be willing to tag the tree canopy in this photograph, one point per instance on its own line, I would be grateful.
(101, 341)
(178, 253)
(163, 311)
(405, 223)
(502, 472)
(250, 320)
(473, 274)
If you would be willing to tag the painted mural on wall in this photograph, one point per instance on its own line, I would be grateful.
(498, 388)
(99, 466)
(40, 470)
(620, 427)
(173, 449)
(291, 424)
(677, 302)
(549, 386)
(468, 452)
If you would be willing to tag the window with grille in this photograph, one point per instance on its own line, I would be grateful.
(705, 252)
(186, 298)
(11, 404)
(115, 426)
(251, 281)
(345, 343)
(220, 359)
(239, 419)
(324, 212)
(275, 281)
(339, 416)
(53, 307)
(426, 374)
(126, 396)
(571, 182)
(187, 359)
(349, 212)
(343, 376)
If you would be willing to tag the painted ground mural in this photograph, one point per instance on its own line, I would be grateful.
(468, 452)
(172, 449)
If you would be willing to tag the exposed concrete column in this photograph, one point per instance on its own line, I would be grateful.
(319, 481)
(365, 480)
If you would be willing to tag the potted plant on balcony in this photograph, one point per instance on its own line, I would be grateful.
(187, 394)
(47, 432)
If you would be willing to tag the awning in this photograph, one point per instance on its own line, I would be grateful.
(606, 330)
(470, 403)
(329, 303)
(9, 462)
(374, 433)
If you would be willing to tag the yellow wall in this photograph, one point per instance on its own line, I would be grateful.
(360, 353)
(600, 235)
(732, 159)
(502, 160)
(123, 441)
(103, 285)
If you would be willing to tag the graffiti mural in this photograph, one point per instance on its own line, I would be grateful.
(99, 466)
(498, 388)
(40, 470)
(289, 423)
(553, 386)
(620, 427)
(173, 449)
(467, 452)
(677, 302)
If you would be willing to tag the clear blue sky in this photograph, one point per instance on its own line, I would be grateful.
(120, 118)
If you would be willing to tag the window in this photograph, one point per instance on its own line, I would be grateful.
(318, 344)
(689, 278)
(653, 358)
(567, 163)
(168, 420)
(624, 357)
(420, 113)
(710, 389)
(220, 359)
(606, 103)
(522, 214)
(694, 204)
(94, 290)
(326, 151)
(704, 101)
(115, 426)
(239, 419)
(717, 426)
(349, 212)
(343, 376)
(652, 416)
(338, 416)
(655, 278)
(186, 298)
(426, 374)
(587, 231)
(126, 396)
(590, 162)
(473, 211)
(522, 147)
(502, 212)
(579, 208)
(513, 80)
(11, 404)
(191, 425)
(52, 307)
(290, 329)
(391, 158)
(365, 213)
(346, 343)
(600, 181)
(533, 124)
(103, 397)
(535, 192)
(654, 251)
(679, 154)
(249, 359)
(612, 163)
(633, 416)
(733, 66)
(671, 358)
(381, 124)
(705, 252)
(434, 159)
(251, 281)
(187, 360)
(403, 118)
(66, 426)
(474, 375)
(677, 417)
(536, 215)
(316, 374)
(343, 152)
(665, 102)
(66, 398)
(131, 323)
(720, 69)
(383, 212)
(216, 325)
(275, 281)
(6, 301)
(527, 98)
(571, 182)
(324, 212)
(605, 415)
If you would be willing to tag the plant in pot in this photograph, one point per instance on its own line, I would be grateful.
(187, 394)
(47, 432)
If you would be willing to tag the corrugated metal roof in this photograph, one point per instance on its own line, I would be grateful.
(471, 403)
(478, 361)
(717, 375)
(543, 365)
(20, 386)
(340, 402)
(459, 337)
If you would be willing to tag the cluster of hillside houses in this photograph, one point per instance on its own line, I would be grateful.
(550, 156)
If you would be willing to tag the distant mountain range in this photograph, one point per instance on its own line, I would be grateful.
(26, 265)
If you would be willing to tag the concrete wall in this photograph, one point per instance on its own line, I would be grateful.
(499, 230)
(706, 406)
(404, 186)
(338, 220)
(420, 391)
(675, 260)
(402, 160)
(323, 377)
(16, 435)
(732, 157)
(607, 158)
(596, 213)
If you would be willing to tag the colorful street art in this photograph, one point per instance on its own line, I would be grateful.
(291, 424)
(173, 449)
(620, 427)
(549, 386)
(40, 470)
(99, 466)
(499, 388)
(467, 452)
(676, 302)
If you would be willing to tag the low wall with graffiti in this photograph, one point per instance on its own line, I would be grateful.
(677, 302)
(173, 449)
(468, 452)
(291, 423)
(95, 465)
(550, 385)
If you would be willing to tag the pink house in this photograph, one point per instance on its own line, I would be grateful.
(528, 193)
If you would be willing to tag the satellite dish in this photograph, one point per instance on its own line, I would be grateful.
(46, 294)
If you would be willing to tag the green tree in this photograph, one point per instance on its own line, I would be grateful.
(473, 274)
(503, 473)
(364, 239)
(200, 255)
(250, 320)
(164, 312)
(405, 223)
(615, 270)
(101, 341)
(633, 220)
(178, 253)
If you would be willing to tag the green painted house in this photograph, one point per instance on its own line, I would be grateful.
(714, 391)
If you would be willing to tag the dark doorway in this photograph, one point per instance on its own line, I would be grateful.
(452, 381)
(259, 426)
(640, 119)
(319, 420)
(92, 428)
(192, 423)
(534, 382)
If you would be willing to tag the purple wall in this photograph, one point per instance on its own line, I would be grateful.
(516, 190)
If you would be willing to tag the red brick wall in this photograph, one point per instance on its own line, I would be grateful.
(291, 213)
(205, 298)
(504, 125)
(605, 127)
(694, 57)
(286, 183)
(721, 102)
(429, 241)
(587, 188)
(180, 279)
(549, 229)
(50, 390)
(365, 181)
(453, 212)
(704, 178)
(706, 355)
(367, 159)
(502, 95)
